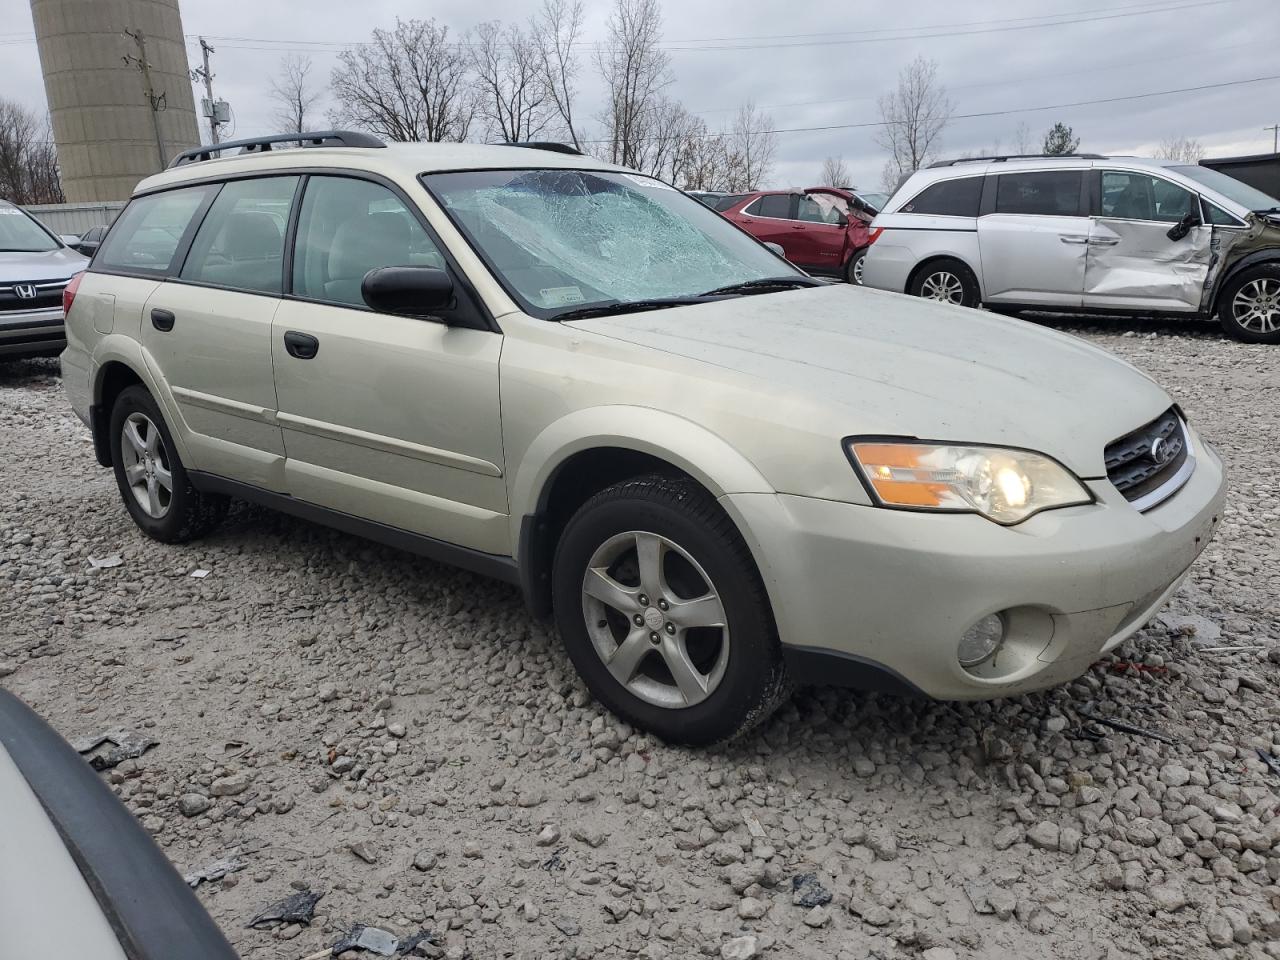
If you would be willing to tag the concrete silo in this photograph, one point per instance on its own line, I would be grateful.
(108, 135)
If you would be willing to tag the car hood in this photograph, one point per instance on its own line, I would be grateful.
(876, 363)
(48, 265)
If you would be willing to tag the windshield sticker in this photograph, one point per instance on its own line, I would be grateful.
(650, 182)
(561, 296)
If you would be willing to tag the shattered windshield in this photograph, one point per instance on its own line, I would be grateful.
(1230, 187)
(564, 239)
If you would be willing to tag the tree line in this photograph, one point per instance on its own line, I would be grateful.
(519, 82)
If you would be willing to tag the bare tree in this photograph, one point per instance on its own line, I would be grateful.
(635, 71)
(835, 173)
(1181, 149)
(410, 83)
(555, 29)
(913, 116)
(512, 95)
(1023, 141)
(751, 146)
(28, 158)
(293, 93)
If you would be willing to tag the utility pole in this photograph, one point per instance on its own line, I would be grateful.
(157, 102)
(207, 77)
(1275, 137)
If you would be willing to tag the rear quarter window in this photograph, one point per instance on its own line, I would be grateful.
(950, 198)
(149, 231)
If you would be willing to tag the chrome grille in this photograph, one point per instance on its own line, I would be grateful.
(1150, 464)
(48, 293)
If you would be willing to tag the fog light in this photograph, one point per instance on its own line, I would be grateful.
(981, 640)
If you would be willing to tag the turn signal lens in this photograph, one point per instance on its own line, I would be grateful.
(1003, 485)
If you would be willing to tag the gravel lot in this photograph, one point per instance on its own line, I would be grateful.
(402, 737)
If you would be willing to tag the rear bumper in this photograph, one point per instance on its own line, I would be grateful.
(32, 333)
(885, 596)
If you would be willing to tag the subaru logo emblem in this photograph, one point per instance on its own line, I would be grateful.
(1162, 452)
(25, 291)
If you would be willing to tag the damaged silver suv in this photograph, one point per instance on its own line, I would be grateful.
(1085, 233)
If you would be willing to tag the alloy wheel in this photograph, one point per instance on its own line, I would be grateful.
(655, 619)
(1256, 306)
(146, 465)
(943, 285)
(857, 271)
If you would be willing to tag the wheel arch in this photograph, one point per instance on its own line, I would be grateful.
(589, 450)
(1256, 259)
(937, 258)
(120, 362)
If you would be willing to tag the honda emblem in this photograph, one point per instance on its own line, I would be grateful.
(25, 291)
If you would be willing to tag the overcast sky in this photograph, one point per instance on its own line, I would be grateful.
(815, 65)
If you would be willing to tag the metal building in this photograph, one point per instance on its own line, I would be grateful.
(98, 58)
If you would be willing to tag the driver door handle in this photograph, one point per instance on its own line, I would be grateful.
(1104, 241)
(1072, 238)
(301, 345)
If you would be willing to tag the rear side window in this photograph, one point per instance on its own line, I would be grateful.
(149, 231)
(240, 244)
(346, 228)
(1054, 193)
(776, 205)
(950, 198)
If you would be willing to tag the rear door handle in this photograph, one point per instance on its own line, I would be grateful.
(301, 345)
(1069, 238)
(162, 319)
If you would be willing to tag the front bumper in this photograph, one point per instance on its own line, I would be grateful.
(887, 594)
(32, 333)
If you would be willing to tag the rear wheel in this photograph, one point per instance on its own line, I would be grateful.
(1249, 308)
(663, 613)
(152, 480)
(947, 281)
(853, 269)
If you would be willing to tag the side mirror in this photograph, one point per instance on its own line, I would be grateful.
(408, 291)
(1183, 227)
(776, 248)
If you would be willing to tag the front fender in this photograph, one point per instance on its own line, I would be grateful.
(684, 444)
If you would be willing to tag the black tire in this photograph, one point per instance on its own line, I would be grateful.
(1265, 279)
(969, 294)
(188, 513)
(853, 269)
(754, 679)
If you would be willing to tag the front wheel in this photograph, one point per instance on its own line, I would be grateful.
(947, 281)
(853, 269)
(662, 611)
(1249, 308)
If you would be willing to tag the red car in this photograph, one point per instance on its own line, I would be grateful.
(824, 230)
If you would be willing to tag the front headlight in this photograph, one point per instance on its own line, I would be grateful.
(1003, 485)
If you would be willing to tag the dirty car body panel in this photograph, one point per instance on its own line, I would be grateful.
(596, 331)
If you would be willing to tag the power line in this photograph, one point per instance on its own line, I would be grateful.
(1000, 113)
(853, 37)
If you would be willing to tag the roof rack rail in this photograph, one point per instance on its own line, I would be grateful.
(1020, 156)
(322, 138)
(552, 145)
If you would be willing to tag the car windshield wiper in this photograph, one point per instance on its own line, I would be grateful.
(1269, 210)
(624, 306)
(764, 285)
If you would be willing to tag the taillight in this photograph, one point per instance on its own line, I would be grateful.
(69, 292)
(875, 235)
